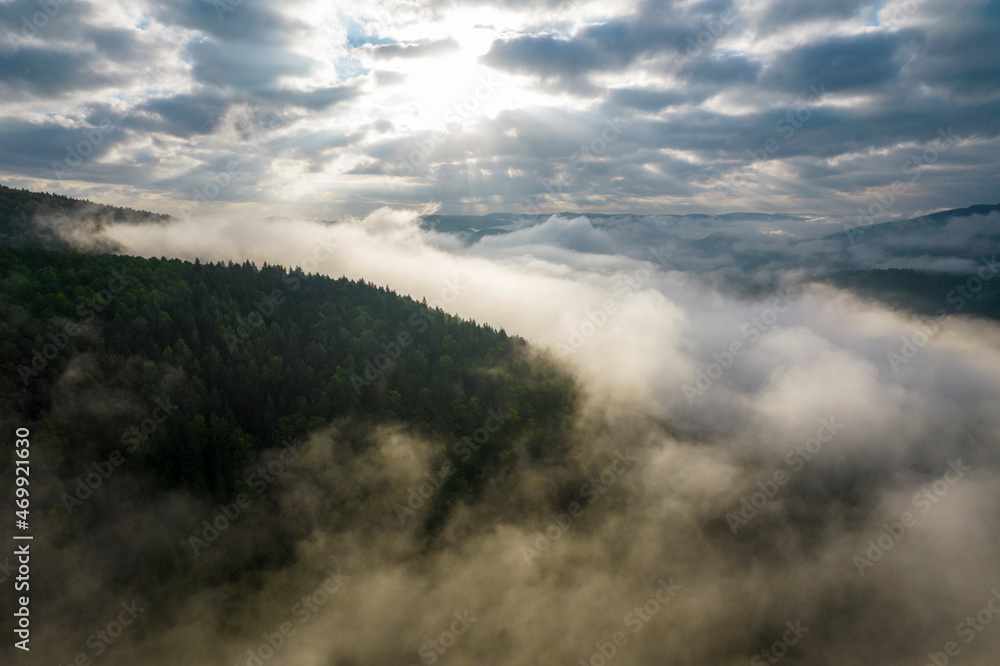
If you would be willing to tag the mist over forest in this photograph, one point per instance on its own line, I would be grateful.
(584, 332)
(755, 442)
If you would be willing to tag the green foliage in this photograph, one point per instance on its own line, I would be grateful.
(252, 357)
(19, 208)
(924, 292)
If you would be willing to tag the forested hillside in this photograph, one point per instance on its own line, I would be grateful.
(924, 292)
(251, 358)
(19, 209)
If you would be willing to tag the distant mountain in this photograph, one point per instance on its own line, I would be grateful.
(914, 264)
(872, 230)
(907, 263)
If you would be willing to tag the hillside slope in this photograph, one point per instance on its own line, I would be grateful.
(22, 210)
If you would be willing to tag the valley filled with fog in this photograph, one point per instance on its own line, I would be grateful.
(766, 446)
(500, 333)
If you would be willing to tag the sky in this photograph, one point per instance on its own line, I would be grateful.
(262, 119)
(331, 108)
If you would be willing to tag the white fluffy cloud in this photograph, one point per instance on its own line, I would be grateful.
(784, 462)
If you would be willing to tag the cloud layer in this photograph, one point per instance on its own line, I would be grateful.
(772, 106)
(810, 495)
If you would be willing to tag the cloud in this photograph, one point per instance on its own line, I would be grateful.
(419, 49)
(49, 73)
(254, 21)
(698, 87)
(720, 70)
(187, 114)
(838, 63)
(49, 150)
(845, 536)
(785, 12)
(545, 55)
(646, 99)
(248, 66)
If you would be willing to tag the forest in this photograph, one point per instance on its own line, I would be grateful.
(180, 377)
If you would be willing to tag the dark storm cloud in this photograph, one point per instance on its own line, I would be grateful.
(245, 65)
(722, 70)
(655, 29)
(200, 112)
(842, 63)
(26, 21)
(824, 132)
(313, 100)
(544, 55)
(42, 72)
(960, 52)
(58, 48)
(622, 41)
(245, 21)
(785, 12)
(183, 115)
(646, 99)
(33, 147)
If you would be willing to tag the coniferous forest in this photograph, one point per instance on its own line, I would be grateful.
(151, 378)
(499, 333)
